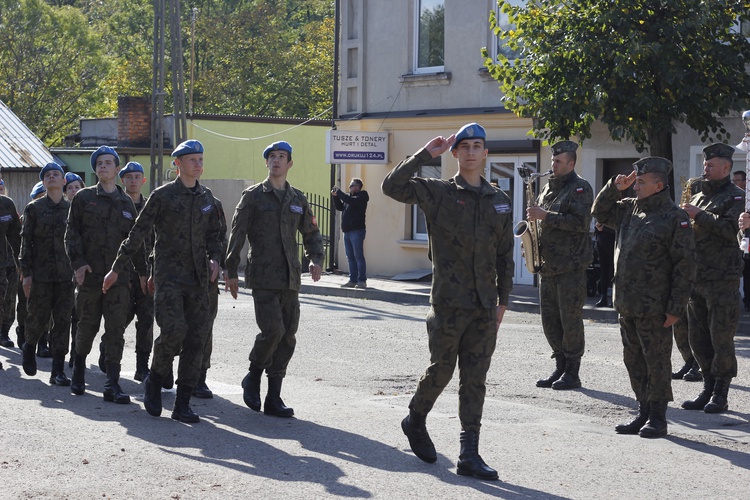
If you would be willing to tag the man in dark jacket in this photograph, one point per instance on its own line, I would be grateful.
(353, 206)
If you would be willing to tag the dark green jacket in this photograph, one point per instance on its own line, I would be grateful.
(655, 252)
(10, 230)
(43, 254)
(470, 235)
(270, 226)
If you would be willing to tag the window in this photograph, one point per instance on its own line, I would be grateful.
(429, 36)
(499, 46)
(419, 224)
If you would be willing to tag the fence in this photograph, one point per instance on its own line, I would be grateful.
(321, 209)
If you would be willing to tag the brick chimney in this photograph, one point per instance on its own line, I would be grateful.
(134, 121)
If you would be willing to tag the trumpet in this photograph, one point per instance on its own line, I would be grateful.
(528, 230)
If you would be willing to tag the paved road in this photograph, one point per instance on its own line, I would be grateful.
(350, 381)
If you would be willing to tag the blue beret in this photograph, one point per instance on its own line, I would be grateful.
(48, 167)
(130, 167)
(277, 146)
(38, 189)
(188, 148)
(72, 177)
(104, 150)
(469, 131)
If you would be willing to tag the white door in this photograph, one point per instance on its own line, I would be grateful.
(503, 170)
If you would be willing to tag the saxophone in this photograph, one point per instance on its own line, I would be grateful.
(528, 230)
(687, 188)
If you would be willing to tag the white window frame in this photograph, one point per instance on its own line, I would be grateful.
(417, 19)
(415, 210)
(500, 17)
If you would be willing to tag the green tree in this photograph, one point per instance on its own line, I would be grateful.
(50, 66)
(638, 66)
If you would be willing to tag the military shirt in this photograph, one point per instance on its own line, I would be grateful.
(97, 222)
(10, 229)
(270, 226)
(564, 235)
(718, 254)
(654, 253)
(186, 234)
(43, 254)
(470, 233)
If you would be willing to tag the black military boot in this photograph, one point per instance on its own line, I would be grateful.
(28, 359)
(152, 393)
(4, 337)
(718, 402)
(42, 347)
(167, 381)
(469, 461)
(569, 379)
(704, 397)
(182, 411)
(78, 381)
(141, 365)
(102, 362)
(58, 377)
(638, 422)
(656, 425)
(694, 373)
(559, 370)
(415, 428)
(251, 388)
(112, 390)
(682, 371)
(273, 405)
(20, 335)
(201, 390)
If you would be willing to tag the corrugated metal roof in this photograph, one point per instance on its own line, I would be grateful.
(19, 147)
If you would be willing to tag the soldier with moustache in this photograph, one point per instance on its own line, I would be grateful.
(654, 270)
(564, 211)
(713, 311)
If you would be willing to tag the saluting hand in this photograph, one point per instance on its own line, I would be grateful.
(622, 182)
(440, 145)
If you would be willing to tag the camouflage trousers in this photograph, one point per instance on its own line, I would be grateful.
(21, 311)
(9, 297)
(277, 316)
(45, 300)
(713, 314)
(647, 353)
(469, 337)
(182, 313)
(561, 299)
(213, 304)
(4, 286)
(142, 309)
(680, 333)
(91, 306)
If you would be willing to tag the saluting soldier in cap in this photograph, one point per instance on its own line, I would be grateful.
(269, 215)
(564, 209)
(100, 217)
(181, 215)
(713, 311)
(654, 270)
(47, 275)
(471, 247)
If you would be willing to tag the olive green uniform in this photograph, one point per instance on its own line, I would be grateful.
(566, 249)
(213, 288)
(654, 271)
(142, 304)
(270, 220)
(10, 242)
(713, 312)
(471, 247)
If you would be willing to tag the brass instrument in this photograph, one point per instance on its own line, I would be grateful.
(528, 230)
(687, 188)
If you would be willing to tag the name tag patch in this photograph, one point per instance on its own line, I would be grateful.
(502, 208)
(296, 209)
(127, 215)
(6, 218)
(206, 209)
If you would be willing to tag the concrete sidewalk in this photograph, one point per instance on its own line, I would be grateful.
(523, 298)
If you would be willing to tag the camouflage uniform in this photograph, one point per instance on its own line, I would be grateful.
(98, 221)
(471, 248)
(186, 236)
(213, 289)
(654, 270)
(270, 223)
(713, 312)
(10, 232)
(566, 250)
(44, 260)
(142, 305)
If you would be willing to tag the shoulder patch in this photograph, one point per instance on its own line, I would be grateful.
(739, 197)
(502, 208)
(685, 224)
(207, 208)
(579, 190)
(6, 218)
(127, 215)
(296, 209)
